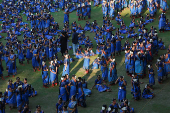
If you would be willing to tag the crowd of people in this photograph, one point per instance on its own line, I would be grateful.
(43, 39)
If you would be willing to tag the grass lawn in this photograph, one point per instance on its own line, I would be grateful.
(48, 98)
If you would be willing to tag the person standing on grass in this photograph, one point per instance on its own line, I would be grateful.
(35, 58)
(11, 95)
(63, 42)
(66, 67)
(12, 68)
(122, 88)
(72, 106)
(52, 74)
(45, 76)
(74, 41)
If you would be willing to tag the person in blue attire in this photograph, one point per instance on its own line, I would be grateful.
(166, 64)
(20, 56)
(162, 22)
(96, 63)
(87, 92)
(12, 61)
(151, 75)
(73, 86)
(99, 86)
(59, 106)
(113, 107)
(79, 53)
(112, 74)
(18, 82)
(125, 108)
(104, 109)
(86, 61)
(53, 70)
(63, 89)
(45, 76)
(35, 59)
(11, 95)
(66, 68)
(80, 95)
(20, 98)
(112, 8)
(88, 8)
(139, 64)
(66, 14)
(104, 69)
(29, 55)
(147, 93)
(160, 70)
(104, 8)
(161, 44)
(118, 45)
(122, 88)
(72, 106)
(136, 92)
(38, 109)
(164, 5)
(31, 91)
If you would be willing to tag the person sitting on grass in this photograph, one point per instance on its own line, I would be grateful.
(99, 86)
(147, 93)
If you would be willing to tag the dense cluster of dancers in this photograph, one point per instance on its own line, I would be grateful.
(111, 7)
(40, 45)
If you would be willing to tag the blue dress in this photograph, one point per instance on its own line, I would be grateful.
(12, 66)
(86, 91)
(104, 9)
(162, 23)
(136, 89)
(112, 75)
(35, 63)
(29, 55)
(111, 10)
(52, 75)
(73, 88)
(167, 66)
(79, 56)
(100, 87)
(59, 107)
(11, 96)
(131, 64)
(147, 94)
(20, 55)
(20, 101)
(66, 16)
(66, 61)
(118, 45)
(160, 71)
(151, 77)
(95, 64)
(62, 91)
(138, 66)
(122, 91)
(79, 95)
(45, 76)
(86, 63)
(104, 69)
(71, 106)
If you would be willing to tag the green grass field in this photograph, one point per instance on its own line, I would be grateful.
(48, 98)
